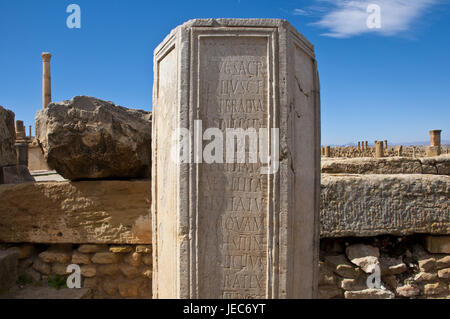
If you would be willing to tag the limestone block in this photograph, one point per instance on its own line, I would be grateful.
(443, 262)
(371, 205)
(56, 256)
(88, 270)
(105, 258)
(237, 74)
(87, 138)
(436, 288)
(364, 256)
(444, 273)
(408, 291)
(438, 244)
(91, 248)
(76, 212)
(371, 293)
(80, 258)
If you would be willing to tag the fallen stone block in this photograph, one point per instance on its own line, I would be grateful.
(88, 138)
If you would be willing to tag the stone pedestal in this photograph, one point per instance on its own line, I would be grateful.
(379, 150)
(435, 143)
(235, 229)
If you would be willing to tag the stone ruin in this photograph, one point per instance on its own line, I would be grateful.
(389, 211)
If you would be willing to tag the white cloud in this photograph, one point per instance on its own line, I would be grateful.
(346, 18)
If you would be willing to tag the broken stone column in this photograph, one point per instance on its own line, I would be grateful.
(327, 151)
(359, 146)
(435, 143)
(46, 80)
(235, 230)
(379, 151)
(385, 144)
(399, 150)
(20, 130)
(366, 145)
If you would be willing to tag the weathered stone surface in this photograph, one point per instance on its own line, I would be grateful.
(273, 71)
(425, 277)
(80, 258)
(56, 256)
(443, 262)
(439, 165)
(370, 205)
(364, 256)
(438, 244)
(353, 284)
(130, 289)
(326, 276)
(88, 270)
(408, 291)
(435, 288)
(144, 249)
(371, 293)
(76, 212)
(129, 271)
(133, 259)
(110, 286)
(42, 267)
(92, 248)
(87, 138)
(444, 273)
(392, 266)
(59, 269)
(8, 268)
(105, 258)
(120, 249)
(24, 251)
(8, 155)
(52, 293)
(342, 266)
(15, 174)
(329, 292)
(108, 269)
(367, 165)
(147, 260)
(427, 265)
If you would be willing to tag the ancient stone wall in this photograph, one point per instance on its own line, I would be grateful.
(108, 271)
(408, 267)
(407, 151)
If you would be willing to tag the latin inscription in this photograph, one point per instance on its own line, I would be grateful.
(233, 197)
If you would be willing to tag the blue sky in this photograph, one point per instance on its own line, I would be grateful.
(388, 83)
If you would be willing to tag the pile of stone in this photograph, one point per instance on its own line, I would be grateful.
(415, 273)
(88, 138)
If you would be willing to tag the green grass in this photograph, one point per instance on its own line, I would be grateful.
(57, 282)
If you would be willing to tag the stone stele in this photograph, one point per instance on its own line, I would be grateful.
(229, 230)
